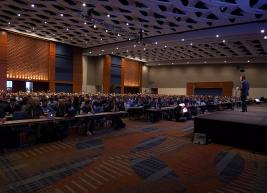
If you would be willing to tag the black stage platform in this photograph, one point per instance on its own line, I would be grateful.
(246, 130)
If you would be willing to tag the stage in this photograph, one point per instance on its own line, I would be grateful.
(240, 129)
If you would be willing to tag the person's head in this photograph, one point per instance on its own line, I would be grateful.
(242, 77)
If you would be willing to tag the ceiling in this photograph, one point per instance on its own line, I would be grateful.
(173, 31)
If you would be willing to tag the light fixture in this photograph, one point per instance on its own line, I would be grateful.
(156, 43)
(224, 61)
(165, 46)
(205, 62)
(182, 39)
(119, 35)
(262, 31)
(106, 31)
(32, 5)
(67, 29)
(101, 39)
(9, 23)
(85, 23)
(90, 52)
(134, 45)
(108, 15)
(191, 44)
(127, 23)
(94, 26)
(45, 22)
(248, 61)
(265, 37)
(19, 14)
(224, 41)
(117, 48)
(61, 14)
(84, 4)
(217, 35)
(102, 50)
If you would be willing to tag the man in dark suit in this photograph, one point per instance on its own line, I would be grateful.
(244, 93)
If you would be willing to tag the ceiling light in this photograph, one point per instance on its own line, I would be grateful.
(248, 61)
(45, 22)
(129, 39)
(182, 39)
(94, 26)
(265, 37)
(262, 31)
(165, 46)
(108, 15)
(224, 41)
(32, 5)
(61, 14)
(117, 48)
(106, 30)
(217, 35)
(224, 61)
(127, 24)
(119, 35)
(112, 52)
(90, 52)
(102, 50)
(144, 49)
(101, 39)
(134, 45)
(172, 63)
(85, 23)
(191, 44)
(67, 29)
(156, 43)
(205, 62)
(84, 4)
(19, 14)
(9, 23)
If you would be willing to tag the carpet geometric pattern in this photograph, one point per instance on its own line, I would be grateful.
(144, 157)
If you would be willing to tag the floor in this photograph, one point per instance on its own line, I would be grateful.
(144, 157)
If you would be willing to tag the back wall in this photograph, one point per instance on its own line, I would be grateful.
(173, 79)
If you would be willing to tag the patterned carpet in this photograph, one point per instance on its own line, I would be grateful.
(144, 157)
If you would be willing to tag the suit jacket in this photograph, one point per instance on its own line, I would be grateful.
(244, 88)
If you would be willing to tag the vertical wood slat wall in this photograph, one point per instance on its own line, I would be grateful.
(35, 55)
(106, 73)
(52, 66)
(77, 70)
(3, 60)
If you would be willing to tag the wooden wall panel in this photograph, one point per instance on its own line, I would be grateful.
(52, 66)
(132, 73)
(3, 59)
(106, 73)
(77, 70)
(226, 86)
(28, 58)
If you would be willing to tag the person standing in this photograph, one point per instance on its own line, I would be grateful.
(244, 92)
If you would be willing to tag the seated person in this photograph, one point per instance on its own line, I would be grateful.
(183, 113)
(112, 106)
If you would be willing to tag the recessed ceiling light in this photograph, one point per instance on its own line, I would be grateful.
(248, 61)
(119, 35)
(127, 23)
(45, 22)
(265, 37)
(182, 39)
(127, 50)
(117, 48)
(32, 5)
(262, 31)
(134, 45)
(90, 52)
(101, 39)
(217, 35)
(106, 30)
(19, 14)
(84, 4)
(129, 39)
(172, 63)
(112, 52)
(144, 48)
(67, 29)
(156, 43)
(165, 46)
(9, 23)
(224, 61)
(108, 15)
(85, 23)
(102, 50)
(224, 41)
(61, 14)
(94, 26)
(191, 44)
